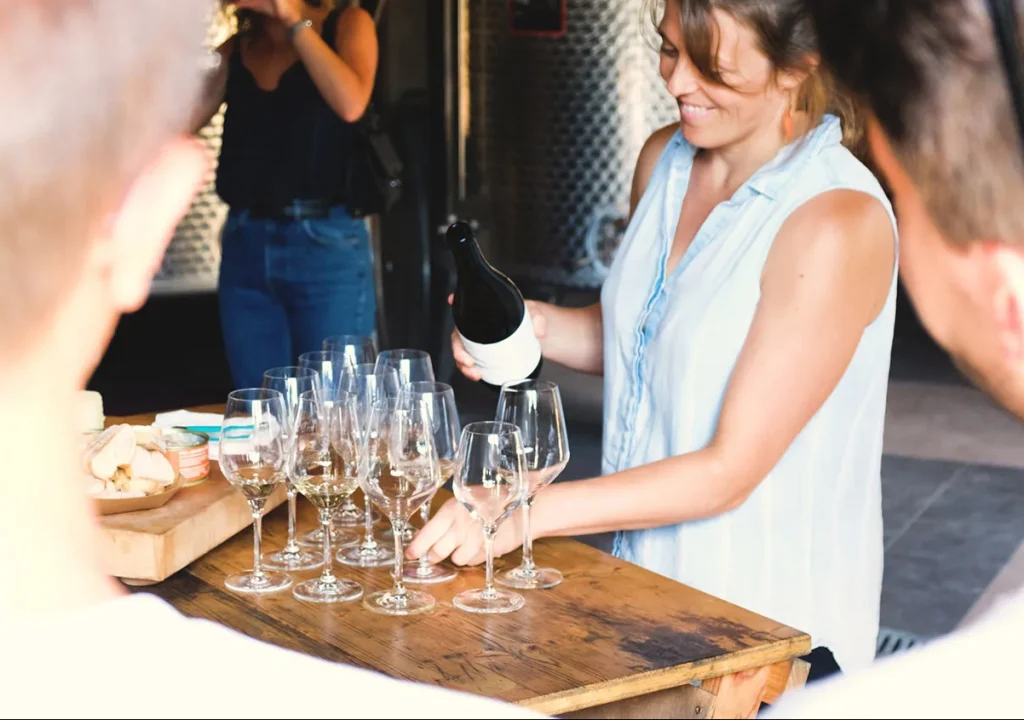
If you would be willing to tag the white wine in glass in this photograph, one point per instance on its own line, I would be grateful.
(254, 458)
(490, 482)
(325, 468)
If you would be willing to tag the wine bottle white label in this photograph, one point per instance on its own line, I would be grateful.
(513, 358)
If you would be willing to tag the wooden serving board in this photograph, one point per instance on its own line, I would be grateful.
(149, 546)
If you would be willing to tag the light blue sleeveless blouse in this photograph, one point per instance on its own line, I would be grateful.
(805, 549)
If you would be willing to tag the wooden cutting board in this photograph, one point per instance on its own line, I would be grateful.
(149, 546)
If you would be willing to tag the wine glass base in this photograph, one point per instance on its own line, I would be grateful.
(318, 591)
(428, 575)
(481, 601)
(536, 579)
(269, 582)
(302, 560)
(386, 602)
(339, 538)
(355, 519)
(358, 556)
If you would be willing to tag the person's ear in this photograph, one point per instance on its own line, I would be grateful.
(1008, 299)
(145, 222)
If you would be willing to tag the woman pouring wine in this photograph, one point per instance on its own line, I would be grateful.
(744, 335)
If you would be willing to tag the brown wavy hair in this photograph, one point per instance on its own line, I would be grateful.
(787, 37)
(251, 22)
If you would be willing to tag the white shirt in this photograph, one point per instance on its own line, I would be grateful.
(139, 657)
(805, 549)
(973, 673)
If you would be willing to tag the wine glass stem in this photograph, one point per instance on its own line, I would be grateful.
(369, 543)
(396, 530)
(425, 517)
(325, 522)
(527, 565)
(257, 543)
(291, 547)
(489, 533)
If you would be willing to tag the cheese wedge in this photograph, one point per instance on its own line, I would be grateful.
(109, 450)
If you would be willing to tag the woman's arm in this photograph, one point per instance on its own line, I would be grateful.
(344, 78)
(826, 278)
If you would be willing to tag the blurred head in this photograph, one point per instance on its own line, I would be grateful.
(94, 170)
(944, 134)
(739, 68)
(251, 22)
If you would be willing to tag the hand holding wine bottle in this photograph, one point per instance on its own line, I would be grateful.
(464, 361)
(493, 326)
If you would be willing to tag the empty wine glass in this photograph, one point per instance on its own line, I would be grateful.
(369, 384)
(291, 382)
(401, 474)
(439, 401)
(535, 407)
(357, 349)
(330, 365)
(411, 365)
(325, 461)
(489, 482)
(253, 458)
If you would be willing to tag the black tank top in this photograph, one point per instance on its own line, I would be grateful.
(282, 145)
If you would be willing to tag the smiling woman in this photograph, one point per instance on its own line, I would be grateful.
(744, 334)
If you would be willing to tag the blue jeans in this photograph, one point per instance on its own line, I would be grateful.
(285, 286)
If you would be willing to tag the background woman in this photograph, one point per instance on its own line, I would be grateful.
(295, 266)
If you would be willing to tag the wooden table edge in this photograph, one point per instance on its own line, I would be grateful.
(610, 691)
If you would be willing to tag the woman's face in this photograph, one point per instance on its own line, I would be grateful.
(714, 116)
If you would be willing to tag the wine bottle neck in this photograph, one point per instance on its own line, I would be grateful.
(468, 255)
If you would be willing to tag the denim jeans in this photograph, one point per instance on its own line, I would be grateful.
(286, 285)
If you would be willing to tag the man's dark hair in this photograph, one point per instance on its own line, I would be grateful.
(931, 72)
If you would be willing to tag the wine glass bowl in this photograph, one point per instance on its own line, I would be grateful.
(356, 349)
(535, 407)
(411, 365)
(401, 474)
(489, 482)
(253, 458)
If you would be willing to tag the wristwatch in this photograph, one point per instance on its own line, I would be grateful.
(294, 29)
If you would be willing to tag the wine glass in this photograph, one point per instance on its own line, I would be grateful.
(325, 461)
(253, 458)
(369, 384)
(401, 474)
(439, 400)
(291, 382)
(489, 481)
(535, 407)
(411, 365)
(357, 349)
(330, 365)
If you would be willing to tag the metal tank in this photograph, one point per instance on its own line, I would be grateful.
(548, 127)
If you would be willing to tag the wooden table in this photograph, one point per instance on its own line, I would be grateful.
(612, 641)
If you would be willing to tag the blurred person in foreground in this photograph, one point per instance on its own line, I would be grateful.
(95, 172)
(946, 135)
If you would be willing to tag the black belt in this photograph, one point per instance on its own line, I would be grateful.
(295, 210)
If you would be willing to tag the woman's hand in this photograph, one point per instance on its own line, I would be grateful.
(466, 364)
(288, 12)
(452, 531)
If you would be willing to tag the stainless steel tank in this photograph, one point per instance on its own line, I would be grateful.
(549, 130)
(192, 261)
